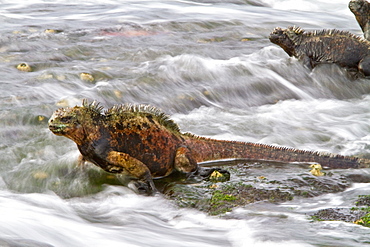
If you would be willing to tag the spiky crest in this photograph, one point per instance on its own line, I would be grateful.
(335, 32)
(93, 107)
(297, 30)
(140, 109)
(296, 33)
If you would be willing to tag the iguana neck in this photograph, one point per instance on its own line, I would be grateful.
(204, 149)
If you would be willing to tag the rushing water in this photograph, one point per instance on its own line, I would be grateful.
(207, 63)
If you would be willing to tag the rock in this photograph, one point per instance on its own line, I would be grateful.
(316, 170)
(87, 77)
(339, 214)
(249, 183)
(356, 215)
(24, 67)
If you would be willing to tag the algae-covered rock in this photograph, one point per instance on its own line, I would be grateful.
(223, 198)
(363, 207)
(227, 197)
(363, 200)
(360, 214)
(251, 182)
(338, 214)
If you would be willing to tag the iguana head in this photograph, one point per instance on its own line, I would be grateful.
(67, 122)
(286, 38)
(72, 122)
(358, 6)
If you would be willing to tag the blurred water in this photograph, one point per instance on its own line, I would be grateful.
(207, 63)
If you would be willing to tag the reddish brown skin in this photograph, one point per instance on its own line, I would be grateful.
(143, 143)
(209, 149)
(150, 143)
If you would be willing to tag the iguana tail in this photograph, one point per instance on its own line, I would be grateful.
(205, 149)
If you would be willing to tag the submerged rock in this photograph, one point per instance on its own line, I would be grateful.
(87, 77)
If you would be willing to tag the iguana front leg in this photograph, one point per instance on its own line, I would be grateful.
(134, 168)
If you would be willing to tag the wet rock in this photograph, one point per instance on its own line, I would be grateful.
(359, 178)
(217, 176)
(24, 67)
(339, 214)
(53, 31)
(220, 199)
(316, 170)
(249, 183)
(363, 200)
(87, 77)
(226, 198)
(309, 186)
(359, 215)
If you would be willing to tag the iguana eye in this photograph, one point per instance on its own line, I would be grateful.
(65, 119)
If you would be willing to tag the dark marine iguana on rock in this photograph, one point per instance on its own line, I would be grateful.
(361, 10)
(324, 46)
(141, 142)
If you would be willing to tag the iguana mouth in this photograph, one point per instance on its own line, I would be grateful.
(56, 128)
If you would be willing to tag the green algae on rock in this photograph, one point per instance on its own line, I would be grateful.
(360, 214)
(251, 182)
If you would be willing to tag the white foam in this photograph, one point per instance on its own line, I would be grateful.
(304, 5)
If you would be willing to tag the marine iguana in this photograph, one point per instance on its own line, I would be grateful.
(143, 143)
(361, 10)
(325, 46)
